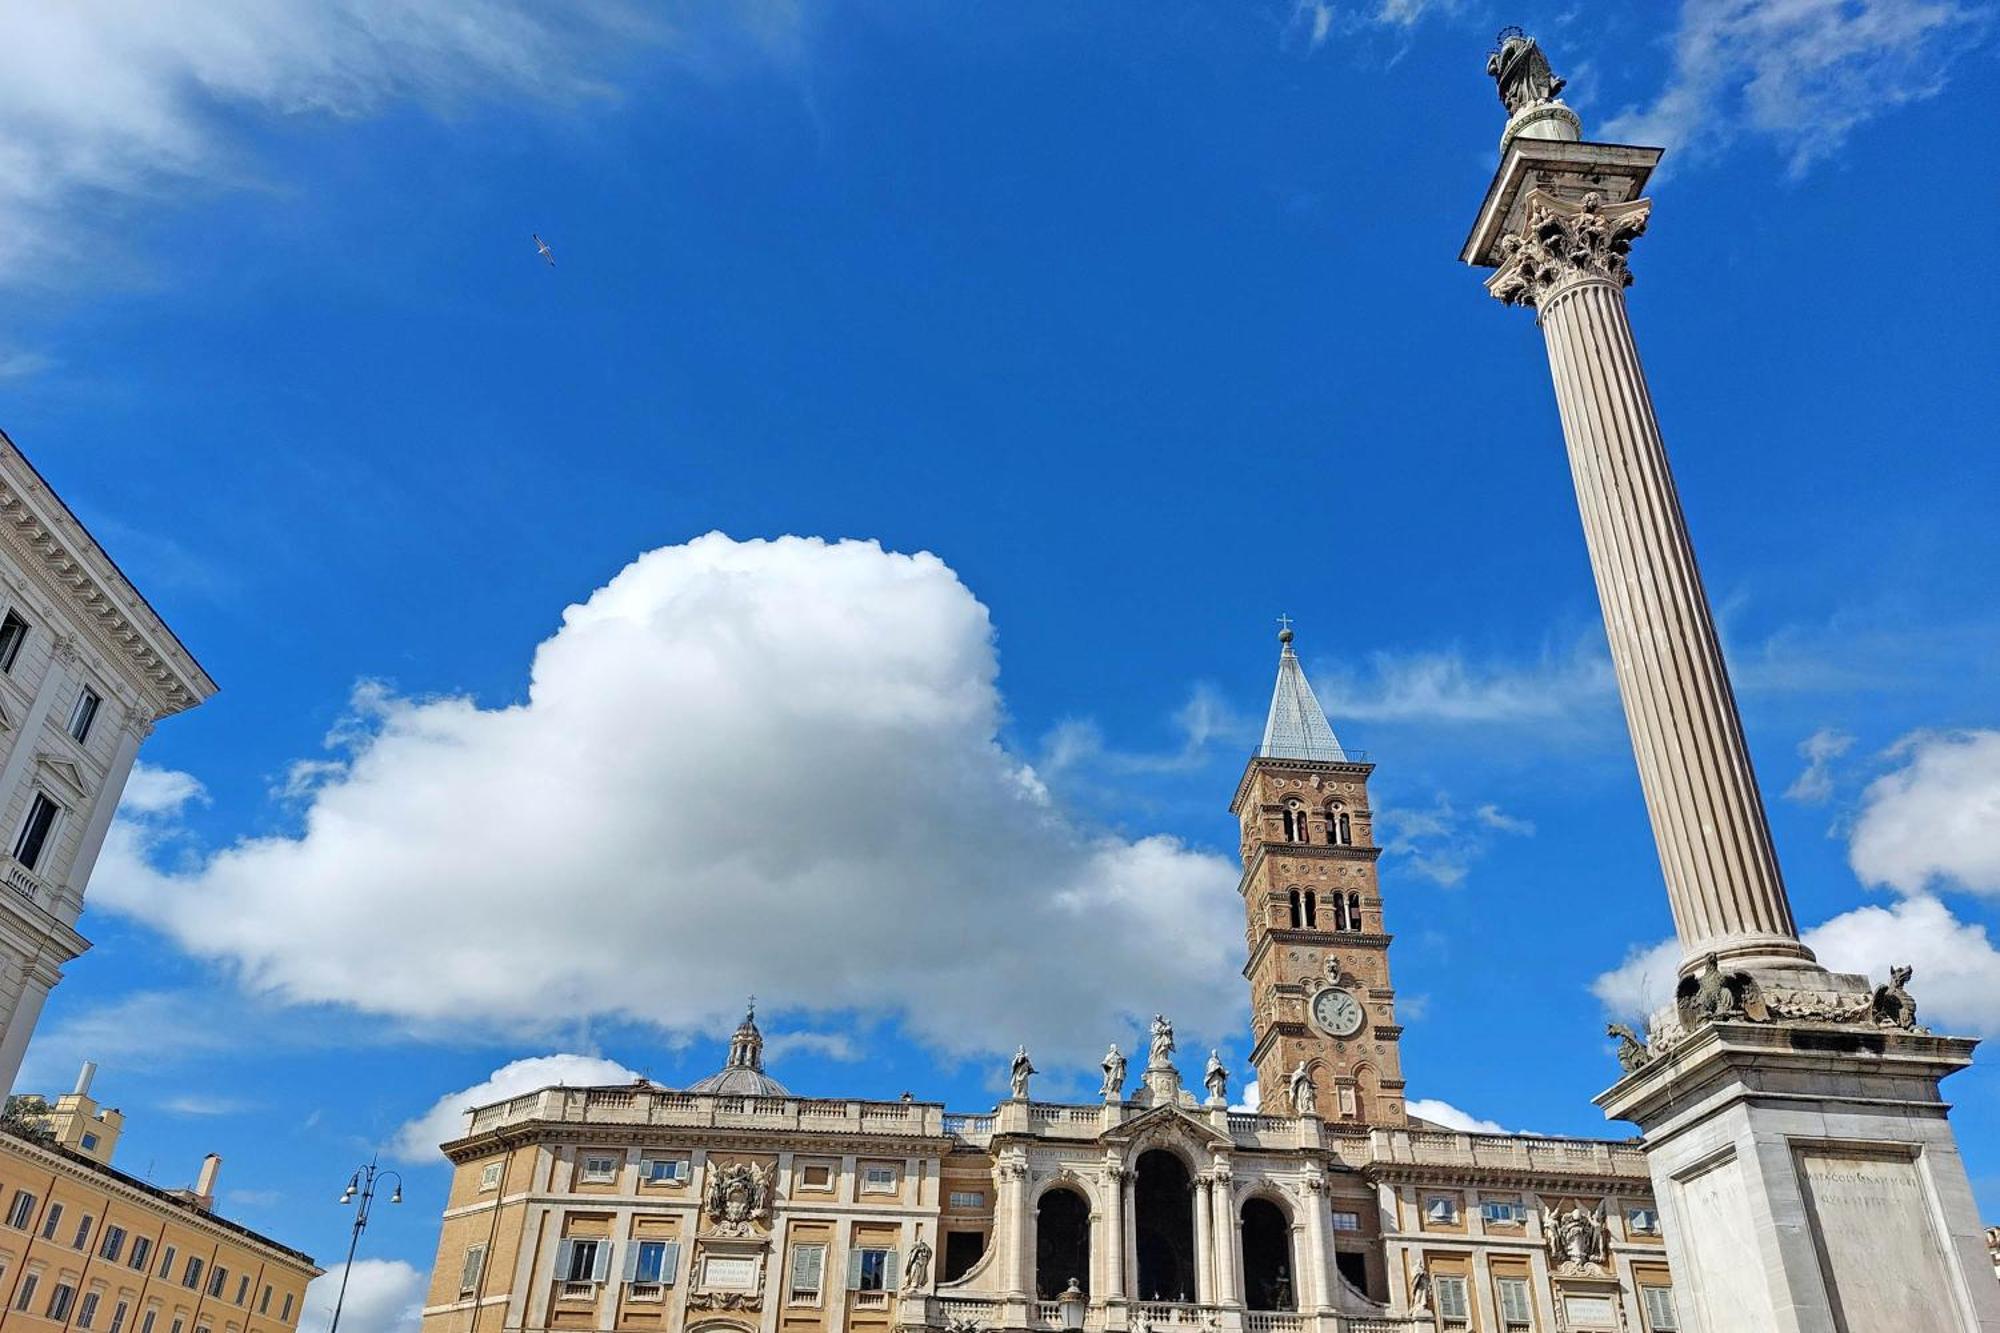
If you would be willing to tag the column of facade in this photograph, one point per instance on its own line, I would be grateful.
(1228, 1280)
(1714, 842)
(57, 677)
(1013, 1222)
(1204, 1238)
(1314, 1277)
(1114, 1177)
(132, 732)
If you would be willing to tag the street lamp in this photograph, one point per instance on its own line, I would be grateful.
(362, 1184)
(1070, 1304)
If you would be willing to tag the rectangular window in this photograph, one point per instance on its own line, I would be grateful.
(871, 1269)
(90, 1143)
(146, 1324)
(117, 1318)
(968, 1198)
(489, 1176)
(218, 1278)
(1642, 1221)
(1660, 1312)
(86, 1313)
(242, 1289)
(808, 1274)
(82, 1240)
(582, 1263)
(179, 1323)
(1500, 1212)
(167, 1257)
(600, 1168)
(878, 1179)
(60, 1300)
(34, 837)
(1451, 1298)
(191, 1275)
(51, 1220)
(1441, 1209)
(21, 1211)
(1344, 1221)
(285, 1315)
(653, 1263)
(88, 701)
(112, 1245)
(664, 1170)
(1515, 1309)
(142, 1250)
(264, 1301)
(13, 633)
(27, 1296)
(469, 1271)
(816, 1176)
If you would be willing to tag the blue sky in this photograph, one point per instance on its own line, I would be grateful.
(1146, 323)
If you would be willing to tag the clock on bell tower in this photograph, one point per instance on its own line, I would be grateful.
(1319, 956)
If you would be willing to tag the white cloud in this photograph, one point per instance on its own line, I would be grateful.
(1447, 687)
(1956, 985)
(1814, 783)
(826, 1045)
(1936, 820)
(153, 791)
(740, 766)
(204, 1104)
(1447, 1116)
(418, 1139)
(1440, 843)
(1800, 73)
(383, 1296)
(1253, 1098)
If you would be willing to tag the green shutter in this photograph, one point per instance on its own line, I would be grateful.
(563, 1251)
(631, 1272)
(670, 1262)
(854, 1270)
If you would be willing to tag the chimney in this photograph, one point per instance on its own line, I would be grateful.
(204, 1184)
(87, 1073)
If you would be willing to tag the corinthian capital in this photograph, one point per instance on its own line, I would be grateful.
(1560, 242)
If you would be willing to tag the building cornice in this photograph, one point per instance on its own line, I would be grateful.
(40, 528)
(711, 1137)
(1258, 763)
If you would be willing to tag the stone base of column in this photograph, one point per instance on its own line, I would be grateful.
(1808, 1180)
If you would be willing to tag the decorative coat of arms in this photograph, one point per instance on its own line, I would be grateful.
(738, 1195)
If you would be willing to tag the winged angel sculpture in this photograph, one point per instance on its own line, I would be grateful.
(738, 1195)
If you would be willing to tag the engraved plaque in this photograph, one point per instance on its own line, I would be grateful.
(1878, 1249)
(1721, 1239)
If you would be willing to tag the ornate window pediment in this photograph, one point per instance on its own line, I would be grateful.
(66, 774)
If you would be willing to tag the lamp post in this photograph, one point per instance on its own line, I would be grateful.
(1071, 1304)
(360, 1185)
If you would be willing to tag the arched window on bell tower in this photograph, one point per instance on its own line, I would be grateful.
(1298, 912)
(1297, 826)
(1346, 832)
(1354, 912)
(1312, 910)
(1339, 912)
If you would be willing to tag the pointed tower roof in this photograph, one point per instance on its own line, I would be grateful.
(743, 1075)
(1297, 727)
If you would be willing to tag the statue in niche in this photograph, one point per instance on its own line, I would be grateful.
(1632, 1053)
(1578, 1242)
(1217, 1079)
(917, 1272)
(1893, 1005)
(1019, 1072)
(1161, 1054)
(1420, 1289)
(1281, 1289)
(1521, 72)
(1304, 1093)
(1114, 1073)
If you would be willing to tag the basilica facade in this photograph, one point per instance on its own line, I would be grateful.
(732, 1206)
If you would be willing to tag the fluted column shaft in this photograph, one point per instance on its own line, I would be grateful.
(1228, 1281)
(1204, 1239)
(1708, 818)
(1115, 1176)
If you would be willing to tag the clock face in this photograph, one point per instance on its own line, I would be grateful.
(1337, 1012)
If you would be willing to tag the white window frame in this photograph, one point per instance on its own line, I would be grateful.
(1649, 1227)
(807, 1183)
(857, 1274)
(83, 714)
(21, 1211)
(679, 1170)
(1502, 1212)
(470, 1269)
(1652, 1295)
(810, 1255)
(1449, 1209)
(11, 644)
(1454, 1303)
(1346, 1221)
(870, 1185)
(970, 1200)
(489, 1176)
(1519, 1312)
(650, 1289)
(590, 1175)
(48, 839)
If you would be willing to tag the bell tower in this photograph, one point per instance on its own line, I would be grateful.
(1319, 955)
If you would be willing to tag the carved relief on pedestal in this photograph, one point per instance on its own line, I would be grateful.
(1561, 242)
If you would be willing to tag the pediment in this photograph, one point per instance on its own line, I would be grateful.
(66, 774)
(1168, 1122)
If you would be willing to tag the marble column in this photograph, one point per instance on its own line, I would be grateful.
(1228, 1282)
(1311, 1275)
(1567, 260)
(1115, 1176)
(1013, 1221)
(1204, 1238)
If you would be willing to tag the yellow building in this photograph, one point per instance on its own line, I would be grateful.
(732, 1206)
(83, 1246)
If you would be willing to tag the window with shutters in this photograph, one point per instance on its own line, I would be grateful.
(167, 1257)
(869, 1270)
(468, 1272)
(13, 633)
(242, 1290)
(27, 1296)
(1661, 1314)
(218, 1278)
(21, 1211)
(152, 1317)
(86, 1310)
(33, 839)
(489, 1176)
(286, 1315)
(82, 1240)
(877, 1178)
(1501, 1212)
(51, 1220)
(581, 1261)
(118, 1313)
(650, 1267)
(1517, 1311)
(112, 1245)
(142, 1250)
(808, 1279)
(191, 1275)
(264, 1301)
(598, 1169)
(60, 1301)
(1451, 1302)
(664, 1170)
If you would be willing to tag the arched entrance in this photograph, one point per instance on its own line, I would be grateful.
(1269, 1279)
(1062, 1242)
(1163, 1217)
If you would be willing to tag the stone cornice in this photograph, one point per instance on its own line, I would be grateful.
(746, 1139)
(1325, 939)
(40, 529)
(1347, 768)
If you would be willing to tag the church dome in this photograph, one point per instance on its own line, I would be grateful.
(743, 1075)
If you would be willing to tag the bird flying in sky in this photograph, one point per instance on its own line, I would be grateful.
(542, 249)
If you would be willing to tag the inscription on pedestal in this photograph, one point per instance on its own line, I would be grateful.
(1878, 1248)
(1733, 1292)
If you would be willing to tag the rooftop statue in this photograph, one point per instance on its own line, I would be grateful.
(1522, 72)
